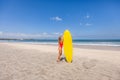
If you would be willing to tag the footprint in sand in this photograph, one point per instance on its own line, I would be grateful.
(89, 64)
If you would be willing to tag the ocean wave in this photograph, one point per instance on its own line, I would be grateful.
(54, 42)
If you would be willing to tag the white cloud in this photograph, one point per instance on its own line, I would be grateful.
(1, 32)
(56, 33)
(23, 35)
(57, 18)
(80, 24)
(44, 33)
(88, 24)
(87, 16)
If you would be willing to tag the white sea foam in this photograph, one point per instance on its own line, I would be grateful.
(99, 44)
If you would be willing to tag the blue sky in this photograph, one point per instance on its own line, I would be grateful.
(86, 19)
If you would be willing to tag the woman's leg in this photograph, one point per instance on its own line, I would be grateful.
(59, 54)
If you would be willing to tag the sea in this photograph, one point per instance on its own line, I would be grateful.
(99, 42)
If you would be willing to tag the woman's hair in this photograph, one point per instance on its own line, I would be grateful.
(59, 38)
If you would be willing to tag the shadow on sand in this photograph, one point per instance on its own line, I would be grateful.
(63, 59)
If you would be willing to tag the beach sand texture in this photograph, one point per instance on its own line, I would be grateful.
(21, 61)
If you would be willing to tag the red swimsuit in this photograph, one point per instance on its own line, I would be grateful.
(61, 44)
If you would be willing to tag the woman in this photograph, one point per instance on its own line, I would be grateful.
(60, 46)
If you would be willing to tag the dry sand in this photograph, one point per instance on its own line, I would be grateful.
(21, 61)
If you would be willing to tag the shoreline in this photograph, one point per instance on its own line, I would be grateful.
(97, 47)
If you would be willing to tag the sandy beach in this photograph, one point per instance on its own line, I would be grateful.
(22, 61)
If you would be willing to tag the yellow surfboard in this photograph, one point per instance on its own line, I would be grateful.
(67, 43)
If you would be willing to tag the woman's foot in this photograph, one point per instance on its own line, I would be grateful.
(58, 60)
